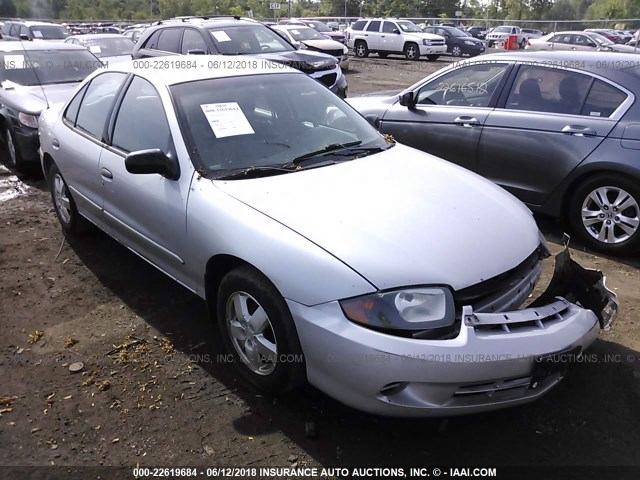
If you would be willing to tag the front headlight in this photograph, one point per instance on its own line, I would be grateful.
(419, 308)
(28, 120)
(469, 42)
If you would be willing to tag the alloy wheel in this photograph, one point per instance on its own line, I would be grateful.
(610, 215)
(252, 334)
(61, 197)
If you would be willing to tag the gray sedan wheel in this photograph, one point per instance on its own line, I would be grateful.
(605, 212)
(70, 219)
(259, 332)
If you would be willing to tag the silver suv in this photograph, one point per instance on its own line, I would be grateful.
(392, 36)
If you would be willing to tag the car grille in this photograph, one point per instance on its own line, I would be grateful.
(328, 80)
(434, 43)
(335, 53)
(506, 291)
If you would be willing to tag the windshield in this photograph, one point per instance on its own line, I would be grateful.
(305, 33)
(502, 30)
(267, 120)
(43, 67)
(604, 41)
(109, 47)
(457, 32)
(409, 27)
(248, 39)
(319, 26)
(50, 32)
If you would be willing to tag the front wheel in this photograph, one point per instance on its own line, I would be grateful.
(604, 212)
(456, 51)
(411, 51)
(63, 204)
(360, 49)
(258, 330)
(433, 58)
(13, 159)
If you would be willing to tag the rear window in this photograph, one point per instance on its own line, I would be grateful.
(49, 32)
(603, 100)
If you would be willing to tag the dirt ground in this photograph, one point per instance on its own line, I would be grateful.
(155, 389)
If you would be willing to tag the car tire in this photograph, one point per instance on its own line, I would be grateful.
(411, 51)
(70, 219)
(360, 49)
(245, 295)
(523, 43)
(489, 44)
(433, 58)
(613, 203)
(13, 157)
(456, 51)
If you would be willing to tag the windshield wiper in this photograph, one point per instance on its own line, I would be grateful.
(332, 149)
(255, 171)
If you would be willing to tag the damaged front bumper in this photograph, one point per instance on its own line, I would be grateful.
(495, 360)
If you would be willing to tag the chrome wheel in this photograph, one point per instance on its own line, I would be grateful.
(251, 332)
(11, 148)
(456, 51)
(411, 52)
(361, 50)
(610, 215)
(61, 198)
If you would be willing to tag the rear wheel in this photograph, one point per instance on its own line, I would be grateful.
(523, 43)
(604, 212)
(360, 49)
(13, 159)
(258, 330)
(411, 51)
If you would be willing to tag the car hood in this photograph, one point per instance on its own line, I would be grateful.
(623, 48)
(324, 44)
(425, 35)
(34, 99)
(307, 59)
(113, 59)
(401, 217)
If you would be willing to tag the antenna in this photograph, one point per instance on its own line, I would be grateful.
(35, 72)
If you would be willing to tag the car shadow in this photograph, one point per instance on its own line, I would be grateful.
(590, 418)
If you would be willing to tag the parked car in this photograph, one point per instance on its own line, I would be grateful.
(608, 34)
(237, 36)
(28, 30)
(325, 30)
(218, 178)
(587, 41)
(301, 35)
(530, 34)
(477, 32)
(34, 75)
(500, 34)
(556, 129)
(133, 34)
(386, 36)
(458, 42)
(109, 48)
(626, 37)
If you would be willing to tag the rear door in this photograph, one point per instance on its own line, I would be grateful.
(373, 36)
(450, 112)
(550, 121)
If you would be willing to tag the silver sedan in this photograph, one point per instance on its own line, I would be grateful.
(328, 253)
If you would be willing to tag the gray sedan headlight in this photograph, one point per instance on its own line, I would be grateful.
(469, 42)
(419, 308)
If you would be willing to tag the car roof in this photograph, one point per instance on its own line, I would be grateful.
(249, 66)
(292, 26)
(40, 45)
(31, 23)
(208, 21)
(92, 36)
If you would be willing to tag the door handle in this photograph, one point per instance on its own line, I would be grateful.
(55, 144)
(106, 173)
(381, 36)
(466, 121)
(579, 130)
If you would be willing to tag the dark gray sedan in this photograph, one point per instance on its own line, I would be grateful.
(559, 130)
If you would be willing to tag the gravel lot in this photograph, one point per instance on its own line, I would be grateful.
(155, 389)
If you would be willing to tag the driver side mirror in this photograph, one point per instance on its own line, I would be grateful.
(396, 31)
(153, 160)
(408, 100)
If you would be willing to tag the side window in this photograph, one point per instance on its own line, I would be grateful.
(388, 27)
(152, 41)
(25, 31)
(141, 122)
(6, 28)
(97, 103)
(170, 40)
(15, 30)
(192, 40)
(359, 25)
(72, 110)
(373, 26)
(603, 99)
(548, 90)
(471, 86)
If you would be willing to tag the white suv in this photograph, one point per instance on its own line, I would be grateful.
(385, 36)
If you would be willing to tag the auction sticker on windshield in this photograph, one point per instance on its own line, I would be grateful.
(226, 119)
(221, 36)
